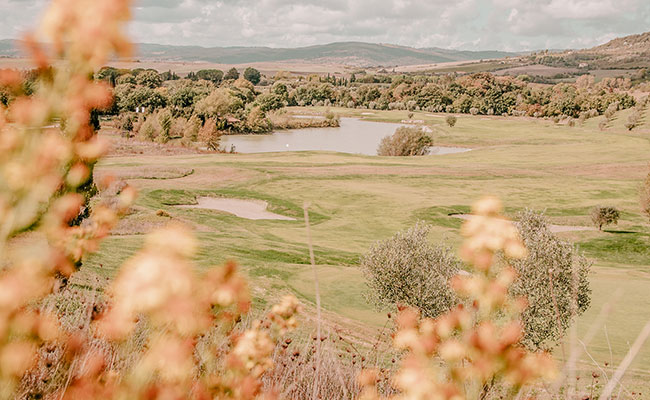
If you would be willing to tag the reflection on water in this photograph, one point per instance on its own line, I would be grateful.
(353, 136)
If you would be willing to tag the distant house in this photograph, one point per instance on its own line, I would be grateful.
(583, 65)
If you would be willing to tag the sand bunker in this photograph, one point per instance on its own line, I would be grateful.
(249, 209)
(553, 228)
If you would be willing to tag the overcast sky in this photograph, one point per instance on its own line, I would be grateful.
(457, 24)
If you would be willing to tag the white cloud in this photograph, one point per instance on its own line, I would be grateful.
(466, 24)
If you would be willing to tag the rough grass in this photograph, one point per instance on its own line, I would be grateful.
(357, 200)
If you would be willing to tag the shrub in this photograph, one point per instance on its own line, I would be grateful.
(633, 120)
(232, 74)
(552, 278)
(407, 270)
(405, 142)
(150, 129)
(209, 135)
(165, 121)
(451, 121)
(252, 75)
(150, 79)
(192, 128)
(602, 216)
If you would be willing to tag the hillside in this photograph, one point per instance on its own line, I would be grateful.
(347, 53)
(629, 52)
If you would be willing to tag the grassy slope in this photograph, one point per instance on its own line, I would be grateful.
(359, 199)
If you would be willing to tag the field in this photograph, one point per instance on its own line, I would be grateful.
(357, 200)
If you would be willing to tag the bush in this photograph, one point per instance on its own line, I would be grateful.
(405, 142)
(150, 79)
(553, 280)
(209, 135)
(165, 121)
(451, 121)
(602, 216)
(633, 120)
(150, 129)
(407, 270)
(192, 129)
(252, 75)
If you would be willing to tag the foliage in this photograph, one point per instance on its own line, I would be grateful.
(212, 75)
(150, 79)
(150, 128)
(464, 353)
(192, 128)
(405, 142)
(269, 102)
(209, 135)
(451, 120)
(219, 103)
(553, 280)
(159, 330)
(165, 122)
(407, 270)
(602, 216)
(232, 74)
(252, 75)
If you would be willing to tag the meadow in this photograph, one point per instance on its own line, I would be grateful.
(356, 200)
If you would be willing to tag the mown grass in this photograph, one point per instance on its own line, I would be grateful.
(357, 200)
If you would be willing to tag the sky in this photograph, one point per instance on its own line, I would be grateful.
(510, 25)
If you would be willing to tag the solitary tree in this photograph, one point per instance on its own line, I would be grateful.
(552, 279)
(405, 142)
(232, 74)
(602, 216)
(252, 75)
(451, 121)
(407, 270)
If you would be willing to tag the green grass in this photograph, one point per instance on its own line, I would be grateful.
(357, 200)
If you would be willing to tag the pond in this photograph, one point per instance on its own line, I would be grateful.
(353, 136)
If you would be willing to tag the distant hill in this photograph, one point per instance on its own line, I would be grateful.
(629, 52)
(347, 53)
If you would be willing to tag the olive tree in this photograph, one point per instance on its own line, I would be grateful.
(407, 270)
(405, 142)
(451, 121)
(602, 216)
(553, 280)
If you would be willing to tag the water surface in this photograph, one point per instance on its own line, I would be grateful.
(353, 136)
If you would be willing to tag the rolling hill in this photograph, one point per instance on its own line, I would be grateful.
(347, 53)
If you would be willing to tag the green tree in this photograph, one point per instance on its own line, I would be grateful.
(150, 79)
(165, 120)
(405, 142)
(213, 75)
(553, 278)
(602, 216)
(407, 270)
(269, 102)
(252, 75)
(232, 74)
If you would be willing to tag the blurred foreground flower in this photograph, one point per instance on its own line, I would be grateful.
(464, 353)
